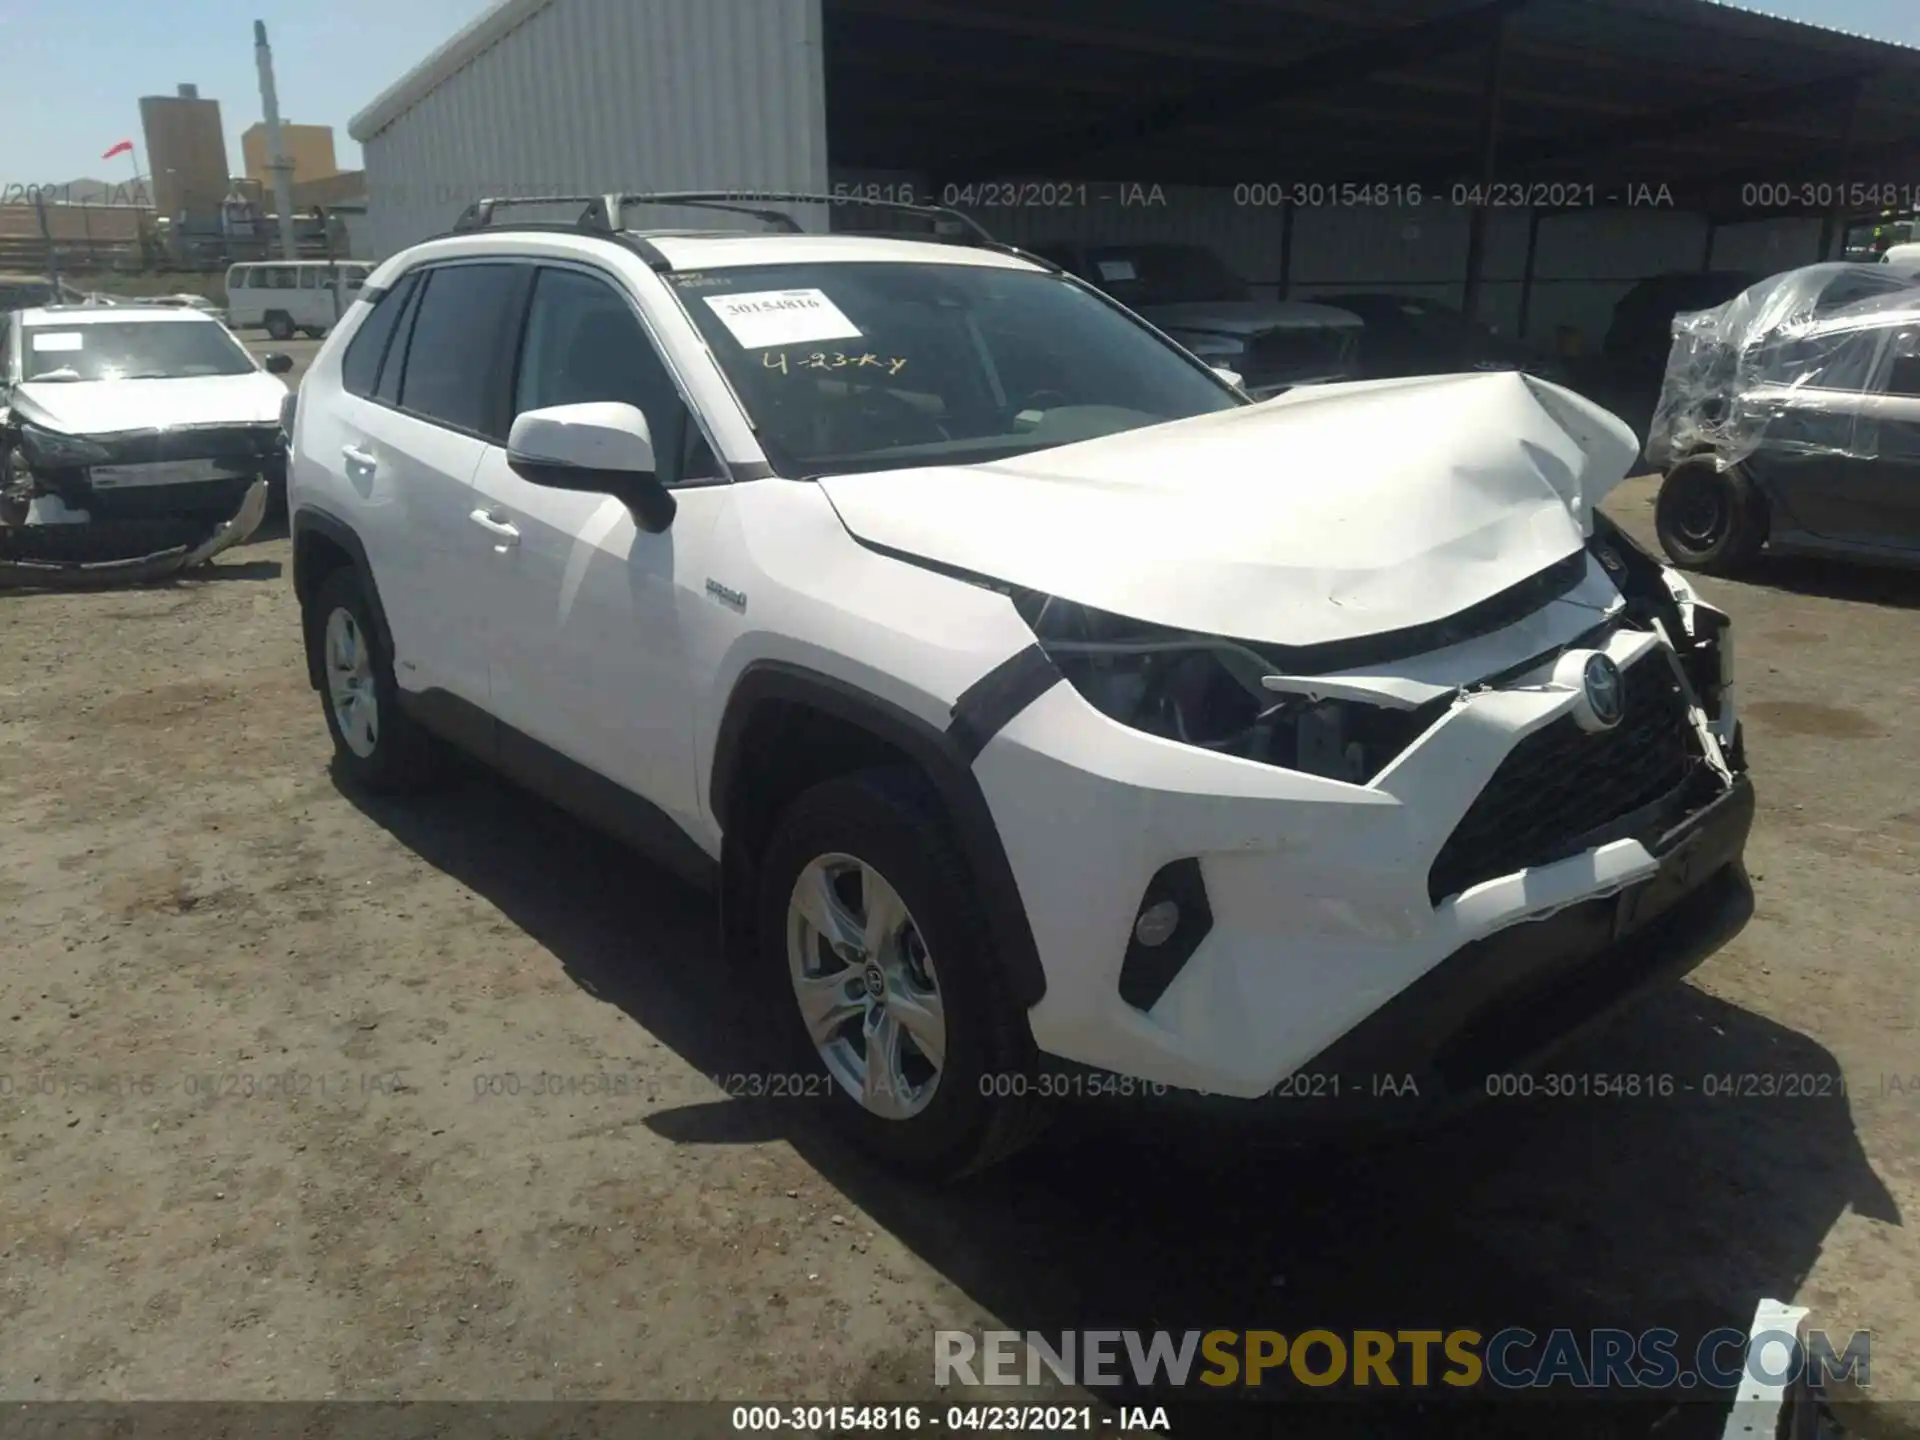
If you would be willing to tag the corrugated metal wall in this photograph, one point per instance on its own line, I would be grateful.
(594, 95)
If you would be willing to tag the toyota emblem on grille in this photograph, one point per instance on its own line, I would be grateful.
(1606, 697)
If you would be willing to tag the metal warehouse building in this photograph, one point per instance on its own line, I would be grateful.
(1528, 159)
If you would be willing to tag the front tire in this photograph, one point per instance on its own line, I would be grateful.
(884, 982)
(1708, 518)
(379, 748)
(279, 325)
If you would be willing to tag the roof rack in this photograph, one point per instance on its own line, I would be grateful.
(605, 214)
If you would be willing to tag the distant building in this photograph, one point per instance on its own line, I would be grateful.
(309, 148)
(186, 152)
(329, 190)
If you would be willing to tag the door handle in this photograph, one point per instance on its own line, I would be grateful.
(508, 533)
(354, 455)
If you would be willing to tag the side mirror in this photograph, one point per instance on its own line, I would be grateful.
(600, 448)
(278, 363)
(1232, 377)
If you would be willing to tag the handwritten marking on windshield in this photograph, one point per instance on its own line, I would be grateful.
(832, 360)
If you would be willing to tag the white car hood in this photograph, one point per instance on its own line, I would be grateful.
(106, 407)
(1324, 515)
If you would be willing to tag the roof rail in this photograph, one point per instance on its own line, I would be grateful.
(605, 214)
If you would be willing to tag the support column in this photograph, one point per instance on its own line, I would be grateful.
(1534, 217)
(1489, 159)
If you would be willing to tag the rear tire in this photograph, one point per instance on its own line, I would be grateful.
(279, 325)
(1709, 519)
(859, 849)
(378, 747)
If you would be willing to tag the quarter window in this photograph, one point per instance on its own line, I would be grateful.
(1903, 364)
(360, 366)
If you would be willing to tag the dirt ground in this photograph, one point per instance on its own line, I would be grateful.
(260, 1038)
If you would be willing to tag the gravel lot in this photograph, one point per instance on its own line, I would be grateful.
(247, 1021)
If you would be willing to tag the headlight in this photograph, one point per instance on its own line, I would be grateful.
(57, 451)
(1206, 691)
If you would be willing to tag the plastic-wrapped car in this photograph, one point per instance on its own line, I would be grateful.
(1790, 418)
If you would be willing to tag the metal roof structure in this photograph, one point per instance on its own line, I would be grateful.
(1702, 97)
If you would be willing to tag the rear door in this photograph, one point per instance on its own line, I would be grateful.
(1885, 481)
(408, 449)
(243, 299)
(1804, 424)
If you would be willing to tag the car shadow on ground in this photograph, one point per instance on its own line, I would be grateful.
(1887, 585)
(236, 570)
(1680, 1212)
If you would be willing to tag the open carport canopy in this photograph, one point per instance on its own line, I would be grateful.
(1738, 115)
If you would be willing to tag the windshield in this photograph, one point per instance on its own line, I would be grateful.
(1137, 275)
(132, 350)
(876, 366)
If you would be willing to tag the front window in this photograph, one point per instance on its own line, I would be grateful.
(131, 350)
(1138, 275)
(877, 366)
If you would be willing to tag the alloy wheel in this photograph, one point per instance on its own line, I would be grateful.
(349, 663)
(866, 986)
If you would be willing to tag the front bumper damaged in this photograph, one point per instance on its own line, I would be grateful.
(89, 555)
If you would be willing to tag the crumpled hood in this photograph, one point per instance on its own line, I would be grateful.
(1250, 317)
(106, 407)
(1327, 514)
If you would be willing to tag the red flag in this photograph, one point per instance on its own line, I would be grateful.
(124, 147)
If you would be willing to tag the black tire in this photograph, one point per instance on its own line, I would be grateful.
(279, 325)
(984, 1106)
(403, 756)
(1709, 519)
(313, 332)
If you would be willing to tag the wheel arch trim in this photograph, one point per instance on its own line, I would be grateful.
(939, 757)
(312, 520)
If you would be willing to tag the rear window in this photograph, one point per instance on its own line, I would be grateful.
(1139, 275)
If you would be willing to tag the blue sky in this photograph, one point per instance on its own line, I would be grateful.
(74, 74)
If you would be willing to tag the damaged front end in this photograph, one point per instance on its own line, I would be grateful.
(50, 537)
(1346, 710)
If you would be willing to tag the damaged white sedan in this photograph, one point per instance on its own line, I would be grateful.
(136, 440)
(1050, 718)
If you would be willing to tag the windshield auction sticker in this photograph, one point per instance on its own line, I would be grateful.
(762, 318)
(56, 341)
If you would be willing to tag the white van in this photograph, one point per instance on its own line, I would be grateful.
(282, 296)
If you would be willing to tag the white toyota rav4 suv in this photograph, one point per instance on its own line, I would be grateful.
(1047, 715)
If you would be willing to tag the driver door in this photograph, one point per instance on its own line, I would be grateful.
(583, 608)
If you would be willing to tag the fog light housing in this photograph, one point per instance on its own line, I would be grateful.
(1157, 923)
(1173, 918)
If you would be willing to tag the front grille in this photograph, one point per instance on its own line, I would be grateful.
(238, 443)
(1303, 354)
(1562, 783)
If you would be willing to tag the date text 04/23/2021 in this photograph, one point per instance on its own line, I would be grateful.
(961, 1419)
